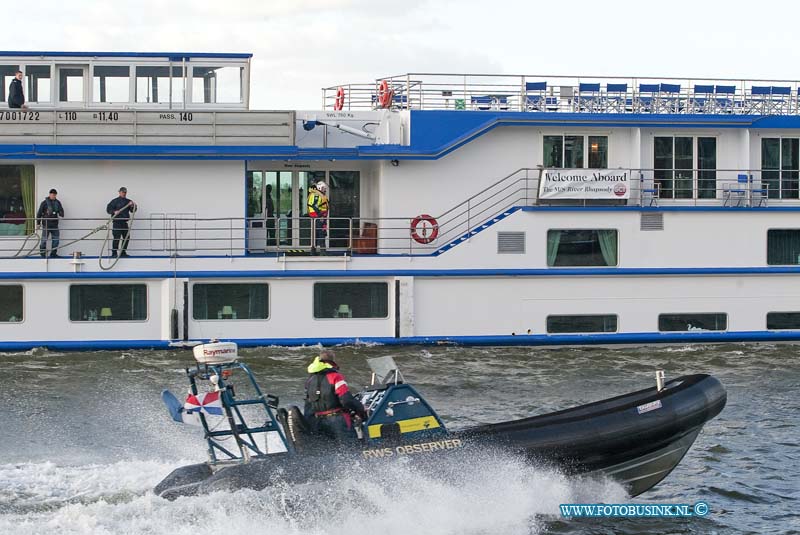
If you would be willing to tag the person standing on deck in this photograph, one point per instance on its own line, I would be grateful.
(47, 216)
(16, 97)
(120, 210)
(318, 212)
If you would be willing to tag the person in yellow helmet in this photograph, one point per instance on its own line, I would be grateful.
(318, 212)
(329, 403)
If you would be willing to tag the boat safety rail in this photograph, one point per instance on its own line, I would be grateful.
(161, 235)
(569, 94)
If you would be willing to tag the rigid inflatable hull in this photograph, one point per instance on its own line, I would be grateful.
(636, 439)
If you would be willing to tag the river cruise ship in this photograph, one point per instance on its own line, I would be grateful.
(463, 208)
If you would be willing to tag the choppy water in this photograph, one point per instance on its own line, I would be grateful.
(85, 438)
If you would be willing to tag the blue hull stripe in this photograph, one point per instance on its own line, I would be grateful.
(495, 340)
(311, 274)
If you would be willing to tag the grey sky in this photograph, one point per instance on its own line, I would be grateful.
(301, 45)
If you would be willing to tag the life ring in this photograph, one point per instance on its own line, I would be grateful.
(421, 235)
(338, 103)
(385, 94)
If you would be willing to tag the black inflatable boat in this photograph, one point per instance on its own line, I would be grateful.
(636, 439)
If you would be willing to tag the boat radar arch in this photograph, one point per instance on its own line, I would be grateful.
(216, 352)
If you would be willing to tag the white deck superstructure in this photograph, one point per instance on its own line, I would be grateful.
(692, 234)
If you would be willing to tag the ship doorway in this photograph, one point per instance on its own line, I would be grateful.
(277, 209)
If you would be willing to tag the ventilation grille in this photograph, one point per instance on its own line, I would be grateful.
(651, 221)
(510, 243)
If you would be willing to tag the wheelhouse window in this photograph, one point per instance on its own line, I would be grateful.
(693, 322)
(676, 171)
(780, 167)
(239, 301)
(108, 302)
(17, 201)
(38, 83)
(570, 152)
(153, 84)
(111, 83)
(7, 73)
(351, 300)
(582, 324)
(11, 309)
(71, 84)
(217, 84)
(783, 320)
(783, 247)
(584, 247)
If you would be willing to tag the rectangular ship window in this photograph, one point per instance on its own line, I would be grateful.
(18, 203)
(11, 303)
(582, 324)
(585, 247)
(351, 300)
(108, 302)
(783, 247)
(693, 321)
(240, 301)
(783, 320)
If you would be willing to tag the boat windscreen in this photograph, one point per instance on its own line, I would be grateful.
(384, 370)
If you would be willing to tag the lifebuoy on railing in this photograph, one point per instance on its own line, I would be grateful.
(385, 94)
(338, 103)
(424, 229)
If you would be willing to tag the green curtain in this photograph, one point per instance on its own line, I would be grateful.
(26, 174)
(608, 246)
(553, 239)
(783, 247)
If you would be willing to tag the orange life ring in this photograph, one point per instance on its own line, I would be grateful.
(338, 103)
(421, 235)
(385, 94)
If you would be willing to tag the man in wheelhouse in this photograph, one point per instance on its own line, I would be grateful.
(330, 405)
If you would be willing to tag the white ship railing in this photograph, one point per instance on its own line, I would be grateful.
(574, 94)
(162, 236)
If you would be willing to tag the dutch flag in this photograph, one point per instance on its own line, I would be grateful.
(208, 404)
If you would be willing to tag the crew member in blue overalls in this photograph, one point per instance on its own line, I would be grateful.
(47, 217)
(120, 210)
(329, 403)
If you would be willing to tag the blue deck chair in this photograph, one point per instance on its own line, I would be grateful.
(481, 103)
(781, 99)
(616, 99)
(669, 98)
(736, 192)
(535, 96)
(702, 99)
(588, 97)
(645, 101)
(758, 102)
(724, 96)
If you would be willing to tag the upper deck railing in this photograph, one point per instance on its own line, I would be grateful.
(572, 94)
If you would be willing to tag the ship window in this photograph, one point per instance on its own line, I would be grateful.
(37, 83)
(582, 324)
(11, 303)
(674, 164)
(570, 152)
(17, 201)
(7, 73)
(111, 83)
(783, 247)
(70, 84)
(351, 300)
(780, 167)
(783, 320)
(239, 301)
(693, 322)
(582, 247)
(220, 84)
(153, 84)
(108, 302)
